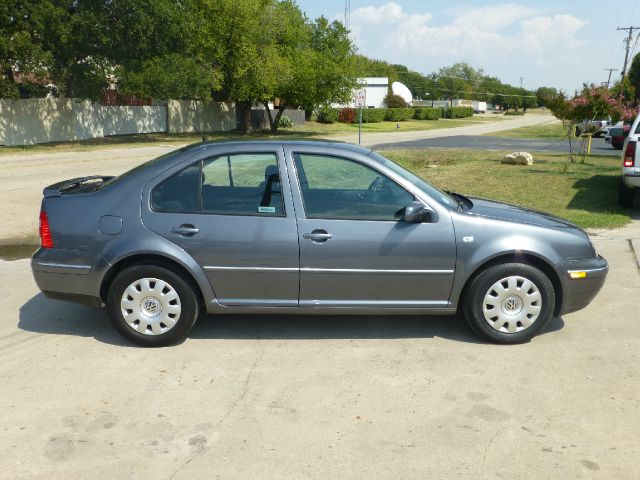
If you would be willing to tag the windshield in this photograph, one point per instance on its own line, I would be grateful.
(430, 190)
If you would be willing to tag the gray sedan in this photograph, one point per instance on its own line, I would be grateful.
(313, 227)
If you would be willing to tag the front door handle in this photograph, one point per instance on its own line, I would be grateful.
(317, 236)
(186, 230)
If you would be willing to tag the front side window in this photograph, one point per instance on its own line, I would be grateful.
(238, 184)
(338, 188)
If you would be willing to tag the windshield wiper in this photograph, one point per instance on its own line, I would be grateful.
(458, 198)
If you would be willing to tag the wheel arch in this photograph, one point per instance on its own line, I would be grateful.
(521, 257)
(148, 259)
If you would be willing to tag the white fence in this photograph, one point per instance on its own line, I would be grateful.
(42, 120)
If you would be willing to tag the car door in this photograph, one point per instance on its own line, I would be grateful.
(232, 214)
(355, 251)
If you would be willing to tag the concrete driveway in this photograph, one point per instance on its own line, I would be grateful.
(321, 397)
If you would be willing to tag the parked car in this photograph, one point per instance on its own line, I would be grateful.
(595, 127)
(303, 227)
(629, 190)
(618, 135)
(607, 130)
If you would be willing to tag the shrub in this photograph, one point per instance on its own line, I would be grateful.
(513, 112)
(327, 115)
(395, 101)
(458, 112)
(372, 115)
(398, 114)
(285, 122)
(347, 115)
(428, 113)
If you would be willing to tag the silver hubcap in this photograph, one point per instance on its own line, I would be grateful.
(150, 306)
(512, 304)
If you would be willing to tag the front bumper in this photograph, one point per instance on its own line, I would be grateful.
(588, 278)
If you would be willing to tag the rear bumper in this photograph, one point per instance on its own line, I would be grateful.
(579, 292)
(631, 179)
(62, 274)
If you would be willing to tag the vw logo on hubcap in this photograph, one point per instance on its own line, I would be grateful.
(512, 305)
(151, 307)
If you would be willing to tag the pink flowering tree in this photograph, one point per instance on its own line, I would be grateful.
(591, 104)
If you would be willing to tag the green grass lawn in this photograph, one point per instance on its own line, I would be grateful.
(308, 131)
(587, 194)
(551, 131)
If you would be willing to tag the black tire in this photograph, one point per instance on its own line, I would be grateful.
(187, 302)
(481, 283)
(625, 195)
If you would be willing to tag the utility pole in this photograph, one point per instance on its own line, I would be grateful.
(626, 55)
(347, 14)
(610, 70)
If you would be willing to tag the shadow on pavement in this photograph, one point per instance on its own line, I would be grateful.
(43, 315)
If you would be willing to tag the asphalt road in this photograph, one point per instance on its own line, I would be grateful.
(321, 397)
(478, 142)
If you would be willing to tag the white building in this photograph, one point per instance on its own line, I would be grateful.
(376, 88)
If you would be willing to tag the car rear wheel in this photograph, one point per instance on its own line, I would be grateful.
(509, 303)
(627, 195)
(152, 306)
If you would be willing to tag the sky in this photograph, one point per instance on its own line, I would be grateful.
(558, 43)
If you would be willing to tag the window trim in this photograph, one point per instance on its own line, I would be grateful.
(199, 210)
(296, 154)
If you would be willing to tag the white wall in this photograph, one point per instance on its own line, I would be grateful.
(195, 116)
(42, 120)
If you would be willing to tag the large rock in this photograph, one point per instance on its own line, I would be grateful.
(518, 158)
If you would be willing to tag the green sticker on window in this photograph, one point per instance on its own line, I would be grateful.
(266, 209)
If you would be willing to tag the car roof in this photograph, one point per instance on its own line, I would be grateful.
(291, 143)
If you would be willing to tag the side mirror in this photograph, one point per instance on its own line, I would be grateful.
(416, 212)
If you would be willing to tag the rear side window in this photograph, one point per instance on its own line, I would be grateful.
(238, 184)
(178, 193)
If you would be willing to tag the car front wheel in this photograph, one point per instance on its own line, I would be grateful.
(509, 303)
(152, 306)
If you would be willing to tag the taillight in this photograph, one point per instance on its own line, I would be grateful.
(630, 154)
(45, 232)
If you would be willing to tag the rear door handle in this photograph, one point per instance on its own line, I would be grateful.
(185, 230)
(317, 236)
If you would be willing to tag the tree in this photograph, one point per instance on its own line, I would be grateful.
(394, 101)
(592, 103)
(25, 26)
(318, 71)
(634, 77)
(545, 92)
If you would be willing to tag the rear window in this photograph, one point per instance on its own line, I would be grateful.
(142, 166)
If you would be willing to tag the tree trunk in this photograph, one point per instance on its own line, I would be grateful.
(274, 121)
(273, 126)
(244, 108)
